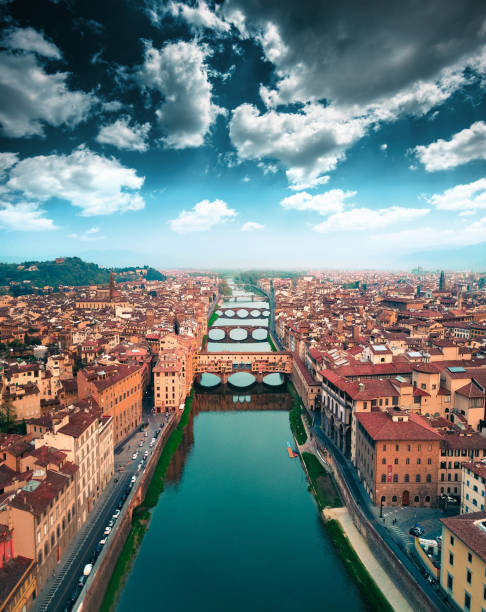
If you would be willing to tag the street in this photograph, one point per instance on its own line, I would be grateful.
(60, 589)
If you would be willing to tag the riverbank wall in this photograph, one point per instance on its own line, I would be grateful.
(94, 590)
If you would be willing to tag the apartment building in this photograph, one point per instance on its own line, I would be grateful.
(463, 560)
(473, 488)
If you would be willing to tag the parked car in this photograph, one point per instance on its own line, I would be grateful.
(416, 531)
(107, 531)
(111, 522)
(117, 514)
(133, 479)
(102, 542)
(141, 443)
(87, 569)
(135, 455)
(146, 434)
(139, 466)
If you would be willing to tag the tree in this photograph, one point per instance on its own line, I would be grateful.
(7, 414)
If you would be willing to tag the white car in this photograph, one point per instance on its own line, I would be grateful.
(135, 455)
(116, 515)
(107, 531)
(103, 542)
(133, 479)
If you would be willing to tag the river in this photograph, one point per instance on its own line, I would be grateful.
(236, 529)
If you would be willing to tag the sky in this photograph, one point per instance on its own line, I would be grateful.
(244, 133)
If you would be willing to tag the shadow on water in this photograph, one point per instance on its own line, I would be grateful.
(222, 400)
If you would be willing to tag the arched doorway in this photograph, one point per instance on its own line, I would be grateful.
(405, 498)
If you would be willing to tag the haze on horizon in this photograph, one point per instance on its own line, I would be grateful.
(242, 134)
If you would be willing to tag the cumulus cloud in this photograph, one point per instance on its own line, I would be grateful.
(7, 160)
(178, 71)
(360, 53)
(469, 197)
(28, 39)
(24, 217)
(97, 185)
(89, 235)
(323, 203)
(367, 219)
(32, 97)
(309, 144)
(202, 217)
(251, 226)
(465, 146)
(199, 16)
(122, 135)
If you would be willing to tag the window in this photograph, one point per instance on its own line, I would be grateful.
(416, 499)
(468, 576)
(427, 498)
(397, 447)
(396, 461)
(395, 477)
(419, 461)
(429, 461)
(383, 460)
(417, 478)
(406, 478)
(394, 498)
(452, 540)
(450, 582)
(383, 478)
(407, 460)
(428, 478)
(467, 601)
(451, 559)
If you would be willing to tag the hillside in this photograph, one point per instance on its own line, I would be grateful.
(23, 278)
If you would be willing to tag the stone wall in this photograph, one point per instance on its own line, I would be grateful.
(94, 590)
(400, 575)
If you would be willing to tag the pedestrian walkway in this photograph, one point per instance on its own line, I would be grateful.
(375, 569)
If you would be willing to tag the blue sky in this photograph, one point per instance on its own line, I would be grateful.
(242, 133)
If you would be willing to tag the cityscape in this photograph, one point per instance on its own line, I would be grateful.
(242, 306)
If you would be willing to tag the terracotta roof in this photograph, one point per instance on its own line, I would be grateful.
(471, 390)
(381, 426)
(11, 573)
(467, 528)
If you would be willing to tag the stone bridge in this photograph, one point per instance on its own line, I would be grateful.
(243, 313)
(225, 333)
(225, 364)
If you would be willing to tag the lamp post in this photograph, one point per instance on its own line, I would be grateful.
(381, 507)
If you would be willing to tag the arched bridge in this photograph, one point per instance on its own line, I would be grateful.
(243, 313)
(238, 333)
(225, 364)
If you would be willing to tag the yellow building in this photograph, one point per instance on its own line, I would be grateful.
(463, 566)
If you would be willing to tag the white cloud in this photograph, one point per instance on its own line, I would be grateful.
(28, 39)
(384, 146)
(24, 217)
(31, 97)
(96, 184)
(367, 219)
(202, 217)
(309, 144)
(199, 16)
(88, 236)
(178, 72)
(324, 203)
(122, 135)
(251, 226)
(428, 238)
(7, 160)
(463, 147)
(471, 196)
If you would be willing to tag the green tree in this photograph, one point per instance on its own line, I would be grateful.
(7, 414)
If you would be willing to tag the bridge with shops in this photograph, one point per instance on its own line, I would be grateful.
(225, 364)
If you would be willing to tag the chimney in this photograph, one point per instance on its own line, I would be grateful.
(361, 386)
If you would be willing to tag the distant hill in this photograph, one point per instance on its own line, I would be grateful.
(32, 275)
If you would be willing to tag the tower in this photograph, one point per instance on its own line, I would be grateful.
(442, 283)
(112, 286)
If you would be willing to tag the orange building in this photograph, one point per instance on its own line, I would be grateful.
(118, 390)
(397, 458)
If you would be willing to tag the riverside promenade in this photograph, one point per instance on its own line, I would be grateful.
(358, 542)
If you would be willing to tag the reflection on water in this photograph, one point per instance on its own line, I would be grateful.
(220, 401)
(238, 334)
(223, 321)
(216, 334)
